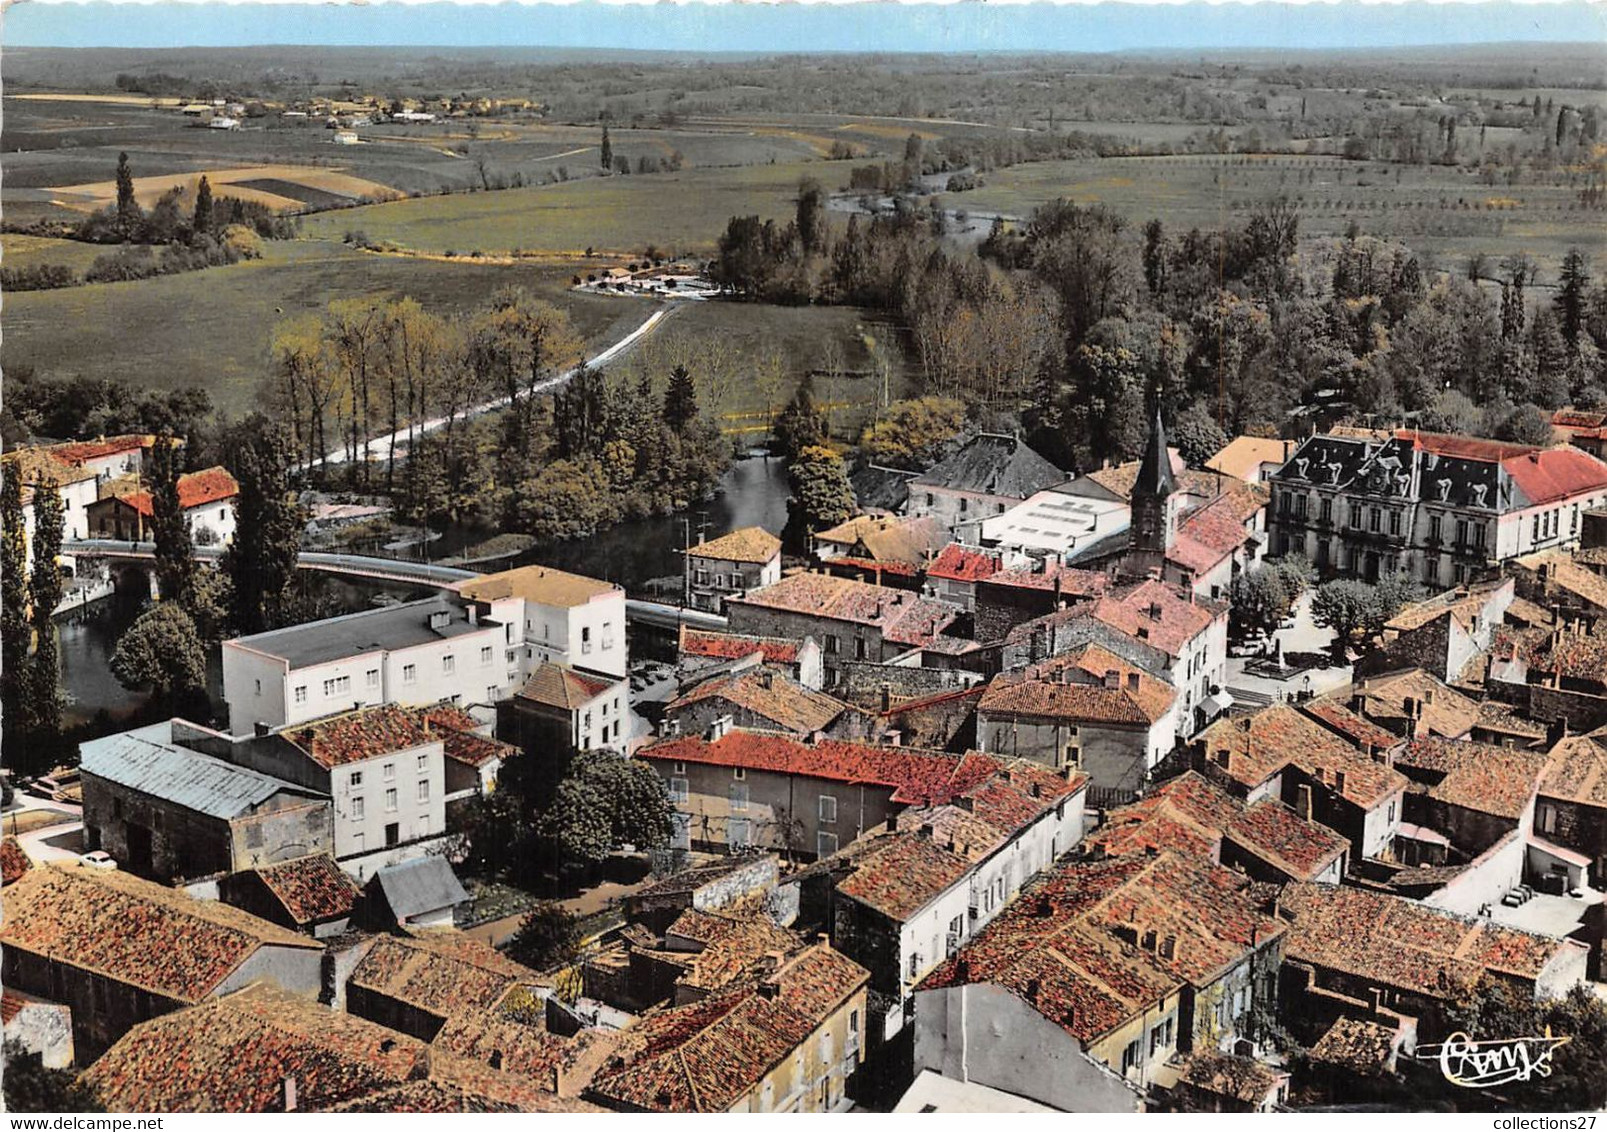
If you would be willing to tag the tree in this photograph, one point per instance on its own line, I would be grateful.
(821, 495)
(680, 400)
(30, 1087)
(161, 653)
(1392, 593)
(604, 802)
(13, 599)
(42, 713)
(1260, 603)
(1492, 1009)
(170, 530)
(607, 157)
(261, 561)
(811, 216)
(1573, 286)
(1525, 424)
(201, 222)
(1343, 605)
(1197, 435)
(913, 434)
(128, 209)
(800, 425)
(548, 937)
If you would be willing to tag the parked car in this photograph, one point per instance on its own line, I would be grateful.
(98, 859)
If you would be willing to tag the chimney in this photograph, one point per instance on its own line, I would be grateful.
(1168, 947)
(1154, 611)
(719, 728)
(1556, 731)
(1428, 697)
(1339, 781)
(1034, 990)
(290, 1094)
(472, 611)
(1303, 801)
(1132, 681)
(769, 990)
(767, 679)
(966, 803)
(894, 738)
(1224, 758)
(815, 737)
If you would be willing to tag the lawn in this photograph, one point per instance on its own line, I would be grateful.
(213, 328)
(31, 251)
(680, 212)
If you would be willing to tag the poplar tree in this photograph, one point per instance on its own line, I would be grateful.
(13, 600)
(170, 530)
(43, 693)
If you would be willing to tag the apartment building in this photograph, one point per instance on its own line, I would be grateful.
(550, 615)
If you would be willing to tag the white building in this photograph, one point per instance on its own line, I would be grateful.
(730, 566)
(421, 652)
(207, 498)
(78, 487)
(550, 615)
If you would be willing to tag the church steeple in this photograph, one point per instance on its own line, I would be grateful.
(1154, 514)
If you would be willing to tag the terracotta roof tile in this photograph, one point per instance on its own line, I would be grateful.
(1261, 745)
(774, 696)
(196, 489)
(1362, 1047)
(1075, 686)
(1476, 776)
(903, 617)
(1243, 1079)
(558, 686)
(311, 889)
(1274, 833)
(1358, 729)
(439, 972)
(1243, 456)
(14, 860)
(734, 646)
(364, 734)
(1577, 771)
(889, 539)
(963, 564)
(1445, 711)
(78, 451)
(750, 544)
(539, 584)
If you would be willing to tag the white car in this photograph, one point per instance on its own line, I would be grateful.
(98, 859)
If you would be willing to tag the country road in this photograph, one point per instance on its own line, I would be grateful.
(379, 448)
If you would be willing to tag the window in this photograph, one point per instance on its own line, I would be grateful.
(1391, 817)
(680, 768)
(337, 684)
(389, 771)
(1160, 1037)
(1131, 1054)
(1394, 522)
(859, 648)
(357, 778)
(825, 844)
(301, 693)
(1434, 524)
(1355, 515)
(832, 643)
(678, 789)
(701, 577)
(357, 809)
(1325, 509)
(963, 503)
(828, 809)
(929, 499)
(409, 673)
(1373, 518)
(739, 773)
(449, 663)
(608, 630)
(390, 800)
(585, 639)
(915, 964)
(738, 833)
(485, 655)
(357, 841)
(739, 796)
(1537, 527)
(423, 790)
(492, 693)
(372, 677)
(1545, 818)
(1478, 535)
(423, 761)
(393, 834)
(259, 687)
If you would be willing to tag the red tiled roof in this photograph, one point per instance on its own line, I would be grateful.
(460, 738)
(1168, 620)
(78, 451)
(734, 646)
(14, 860)
(196, 489)
(963, 564)
(901, 874)
(439, 972)
(774, 696)
(1477, 776)
(1556, 473)
(708, 1056)
(164, 941)
(1261, 745)
(1272, 832)
(311, 889)
(1138, 697)
(561, 687)
(1045, 575)
(750, 544)
(1464, 447)
(1357, 728)
(1577, 771)
(364, 734)
(495, 1038)
(1405, 944)
(903, 617)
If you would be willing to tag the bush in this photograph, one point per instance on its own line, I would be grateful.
(39, 277)
(548, 936)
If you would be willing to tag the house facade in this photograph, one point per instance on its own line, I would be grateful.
(550, 615)
(989, 474)
(729, 566)
(206, 498)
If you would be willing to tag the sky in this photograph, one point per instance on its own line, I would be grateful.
(854, 25)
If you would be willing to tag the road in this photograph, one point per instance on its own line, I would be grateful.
(379, 448)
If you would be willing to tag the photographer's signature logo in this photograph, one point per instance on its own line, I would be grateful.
(1498, 1061)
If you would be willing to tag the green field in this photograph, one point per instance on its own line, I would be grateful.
(679, 212)
(213, 328)
(32, 251)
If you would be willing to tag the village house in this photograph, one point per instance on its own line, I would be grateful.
(514, 1038)
(1434, 507)
(730, 566)
(705, 887)
(1209, 1081)
(1473, 793)
(1443, 635)
(207, 501)
(903, 900)
(852, 620)
(1169, 632)
(549, 615)
(758, 699)
(988, 475)
(563, 710)
(1082, 990)
(1569, 585)
(1413, 704)
(786, 1042)
(414, 983)
(421, 893)
(1556, 677)
(1569, 837)
(953, 575)
(1089, 709)
(1218, 541)
(1384, 959)
(1265, 838)
(1020, 590)
(307, 894)
(168, 813)
(1253, 459)
(109, 457)
(419, 652)
(78, 487)
(879, 490)
(701, 652)
(119, 951)
(1282, 754)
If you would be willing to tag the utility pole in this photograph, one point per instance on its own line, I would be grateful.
(686, 564)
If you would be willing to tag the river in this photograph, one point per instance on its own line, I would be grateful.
(635, 554)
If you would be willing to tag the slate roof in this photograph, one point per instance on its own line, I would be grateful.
(990, 464)
(165, 942)
(708, 1056)
(310, 889)
(1475, 776)
(561, 687)
(771, 695)
(734, 646)
(233, 1054)
(1095, 943)
(424, 884)
(539, 584)
(369, 630)
(1405, 944)
(440, 972)
(750, 544)
(880, 489)
(148, 761)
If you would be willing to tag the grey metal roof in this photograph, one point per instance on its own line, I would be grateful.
(421, 885)
(148, 761)
(370, 630)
